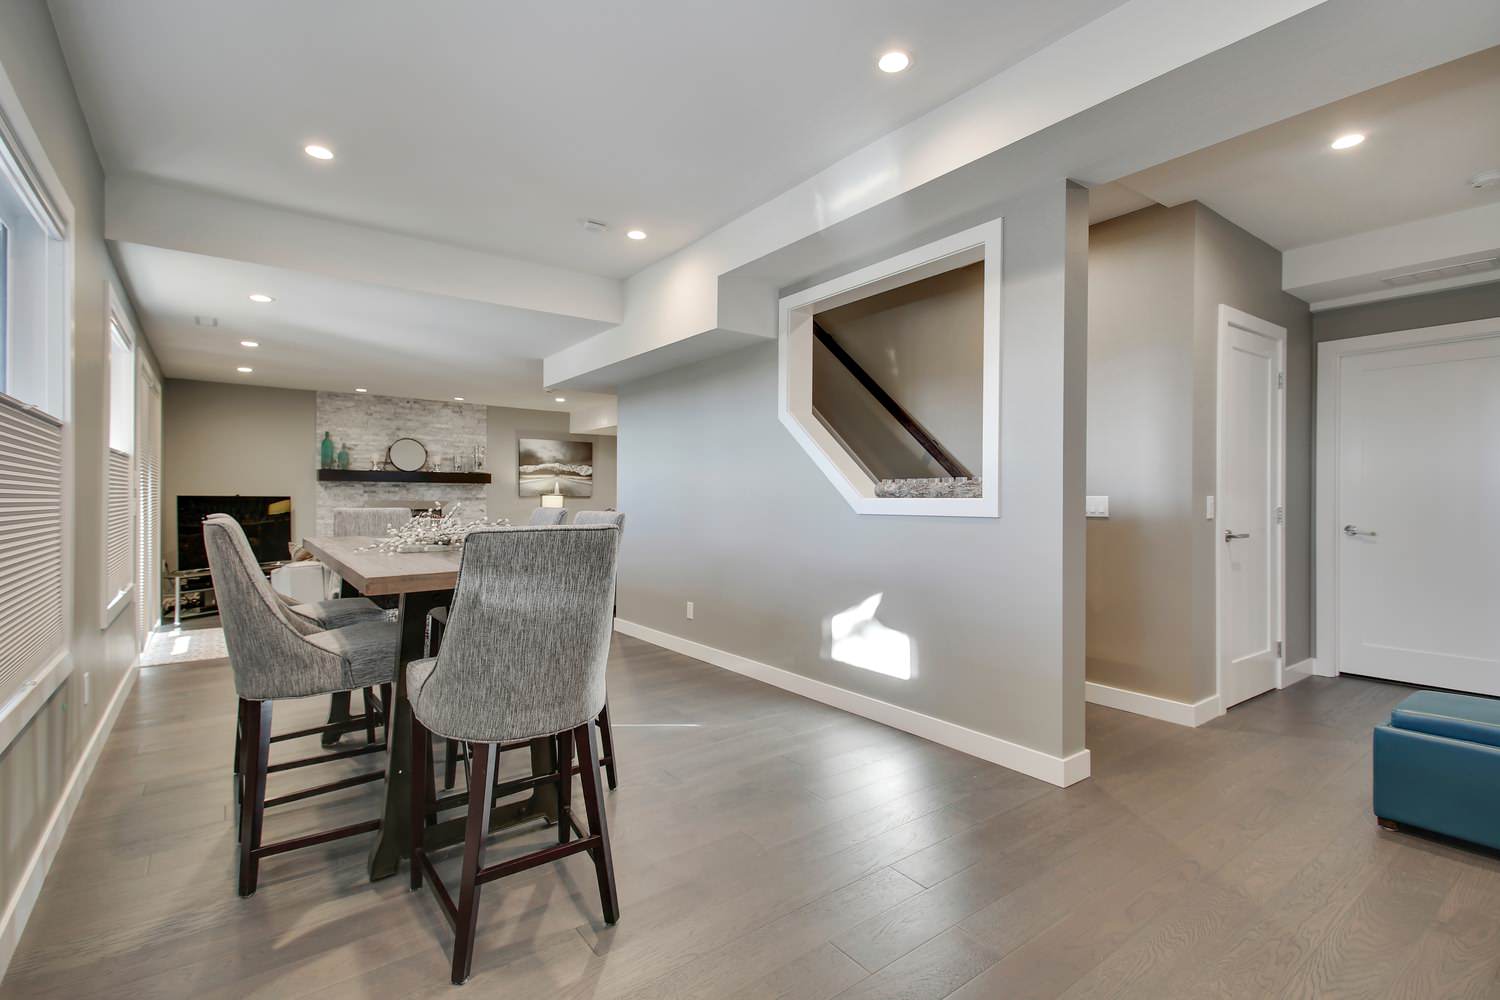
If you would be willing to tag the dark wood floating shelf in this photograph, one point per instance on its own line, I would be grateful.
(392, 476)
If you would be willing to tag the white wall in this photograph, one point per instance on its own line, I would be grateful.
(727, 511)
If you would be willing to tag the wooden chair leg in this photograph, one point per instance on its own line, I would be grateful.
(255, 718)
(338, 711)
(607, 738)
(386, 708)
(593, 801)
(421, 785)
(369, 699)
(481, 799)
(239, 773)
(450, 765)
(564, 787)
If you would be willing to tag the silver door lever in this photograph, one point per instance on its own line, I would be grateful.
(1230, 536)
(1352, 531)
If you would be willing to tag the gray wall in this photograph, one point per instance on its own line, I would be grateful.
(35, 768)
(219, 438)
(222, 438)
(728, 512)
(1457, 305)
(1157, 278)
(923, 344)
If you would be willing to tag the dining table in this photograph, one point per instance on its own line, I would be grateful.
(420, 582)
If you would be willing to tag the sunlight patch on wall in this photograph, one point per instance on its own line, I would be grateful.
(859, 640)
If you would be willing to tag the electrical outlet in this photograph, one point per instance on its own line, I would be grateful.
(88, 687)
(689, 610)
(1096, 506)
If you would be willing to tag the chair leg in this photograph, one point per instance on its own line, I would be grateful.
(369, 699)
(481, 798)
(255, 719)
(593, 801)
(607, 738)
(239, 773)
(450, 765)
(564, 786)
(421, 783)
(386, 708)
(338, 711)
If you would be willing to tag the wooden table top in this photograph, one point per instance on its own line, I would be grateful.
(373, 572)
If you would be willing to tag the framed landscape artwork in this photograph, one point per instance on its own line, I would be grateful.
(546, 466)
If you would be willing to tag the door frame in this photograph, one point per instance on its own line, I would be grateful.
(1231, 317)
(1325, 526)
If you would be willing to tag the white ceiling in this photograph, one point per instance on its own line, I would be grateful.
(499, 125)
(1426, 135)
(327, 333)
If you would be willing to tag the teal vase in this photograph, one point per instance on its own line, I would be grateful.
(344, 456)
(327, 451)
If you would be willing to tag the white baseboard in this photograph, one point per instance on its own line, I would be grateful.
(1181, 713)
(18, 908)
(1061, 771)
(1298, 672)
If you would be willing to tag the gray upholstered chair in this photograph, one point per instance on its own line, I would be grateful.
(350, 521)
(524, 659)
(606, 734)
(547, 515)
(272, 658)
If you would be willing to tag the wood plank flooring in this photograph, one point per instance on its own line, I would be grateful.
(771, 847)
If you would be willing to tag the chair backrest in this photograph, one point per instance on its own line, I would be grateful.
(266, 650)
(528, 635)
(613, 517)
(543, 516)
(368, 520)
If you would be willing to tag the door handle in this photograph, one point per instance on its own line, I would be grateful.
(1353, 532)
(1230, 536)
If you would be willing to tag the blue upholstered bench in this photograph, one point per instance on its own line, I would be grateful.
(1437, 766)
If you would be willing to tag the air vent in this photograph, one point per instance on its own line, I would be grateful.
(592, 225)
(206, 320)
(1446, 271)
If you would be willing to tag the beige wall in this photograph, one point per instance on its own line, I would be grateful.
(727, 511)
(37, 766)
(1156, 280)
(223, 439)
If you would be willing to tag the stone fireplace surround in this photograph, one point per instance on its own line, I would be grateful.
(369, 423)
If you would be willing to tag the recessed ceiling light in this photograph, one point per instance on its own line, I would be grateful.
(560, 399)
(249, 343)
(243, 370)
(260, 297)
(361, 390)
(458, 399)
(318, 152)
(894, 61)
(1349, 141)
(637, 234)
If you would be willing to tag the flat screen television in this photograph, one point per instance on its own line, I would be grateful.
(267, 522)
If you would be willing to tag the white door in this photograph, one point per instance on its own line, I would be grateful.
(1248, 524)
(1418, 503)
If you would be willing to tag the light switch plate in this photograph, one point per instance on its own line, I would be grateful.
(1096, 506)
(1208, 509)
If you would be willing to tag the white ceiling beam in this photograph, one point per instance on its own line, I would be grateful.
(1352, 269)
(1149, 81)
(160, 214)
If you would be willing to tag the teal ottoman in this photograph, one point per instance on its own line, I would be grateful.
(1437, 766)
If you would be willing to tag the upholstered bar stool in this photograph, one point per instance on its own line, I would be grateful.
(273, 659)
(547, 515)
(524, 659)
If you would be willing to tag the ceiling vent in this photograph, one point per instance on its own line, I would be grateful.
(1446, 271)
(592, 225)
(206, 320)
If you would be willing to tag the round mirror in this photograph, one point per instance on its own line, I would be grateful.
(407, 454)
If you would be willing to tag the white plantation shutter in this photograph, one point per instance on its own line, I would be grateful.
(31, 543)
(117, 530)
(148, 504)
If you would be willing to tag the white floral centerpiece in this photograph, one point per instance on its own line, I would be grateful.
(435, 532)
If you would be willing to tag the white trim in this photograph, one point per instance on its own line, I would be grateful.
(18, 908)
(1325, 526)
(1061, 771)
(1299, 672)
(1179, 713)
(794, 371)
(28, 699)
(1228, 317)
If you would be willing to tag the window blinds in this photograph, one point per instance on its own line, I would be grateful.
(148, 562)
(31, 543)
(117, 547)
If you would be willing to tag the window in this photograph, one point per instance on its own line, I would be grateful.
(148, 503)
(34, 358)
(119, 533)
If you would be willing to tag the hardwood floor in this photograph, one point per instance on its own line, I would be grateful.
(768, 846)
